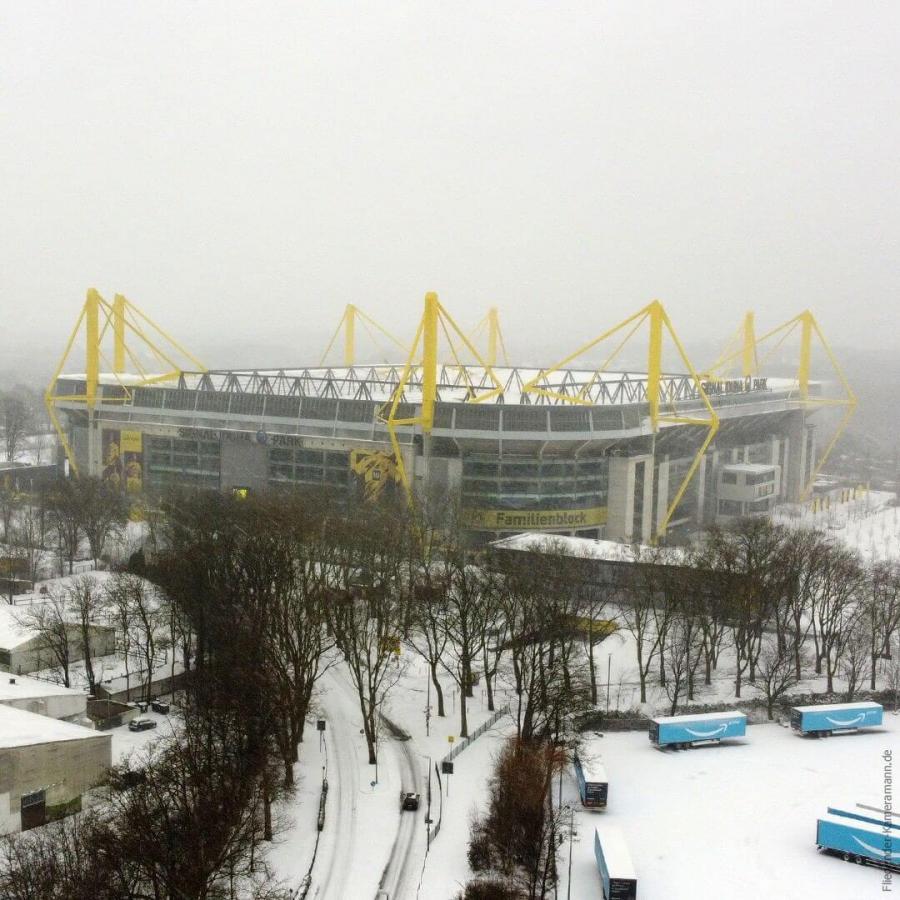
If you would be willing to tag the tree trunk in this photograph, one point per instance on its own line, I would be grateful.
(463, 718)
(592, 671)
(438, 690)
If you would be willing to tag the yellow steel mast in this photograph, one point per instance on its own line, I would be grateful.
(809, 332)
(435, 319)
(347, 322)
(659, 325)
(124, 320)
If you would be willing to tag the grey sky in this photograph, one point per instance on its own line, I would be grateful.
(244, 170)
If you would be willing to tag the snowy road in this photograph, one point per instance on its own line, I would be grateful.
(336, 851)
(399, 879)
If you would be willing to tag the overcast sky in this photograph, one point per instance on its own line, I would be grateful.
(244, 170)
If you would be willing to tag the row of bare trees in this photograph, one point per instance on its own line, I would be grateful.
(59, 520)
(787, 604)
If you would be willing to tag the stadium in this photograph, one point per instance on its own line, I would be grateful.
(575, 447)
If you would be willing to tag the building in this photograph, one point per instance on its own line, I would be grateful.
(43, 697)
(24, 649)
(45, 767)
(625, 456)
(747, 489)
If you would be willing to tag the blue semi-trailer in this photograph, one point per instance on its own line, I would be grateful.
(683, 731)
(829, 718)
(859, 842)
(614, 864)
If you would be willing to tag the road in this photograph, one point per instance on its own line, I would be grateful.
(400, 876)
(333, 861)
(344, 839)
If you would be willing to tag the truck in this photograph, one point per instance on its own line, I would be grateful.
(835, 718)
(681, 732)
(593, 783)
(614, 864)
(859, 842)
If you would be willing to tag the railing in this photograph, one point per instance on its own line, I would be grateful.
(458, 748)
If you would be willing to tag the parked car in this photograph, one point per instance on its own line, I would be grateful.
(160, 706)
(409, 801)
(141, 724)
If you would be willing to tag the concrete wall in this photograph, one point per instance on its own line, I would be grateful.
(64, 769)
(244, 464)
(9, 821)
(65, 706)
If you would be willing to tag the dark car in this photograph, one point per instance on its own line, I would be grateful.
(160, 706)
(141, 724)
(409, 801)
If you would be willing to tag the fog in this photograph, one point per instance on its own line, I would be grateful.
(242, 171)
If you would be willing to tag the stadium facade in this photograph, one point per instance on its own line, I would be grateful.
(522, 460)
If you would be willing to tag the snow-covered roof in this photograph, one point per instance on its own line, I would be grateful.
(837, 707)
(12, 633)
(587, 548)
(21, 687)
(615, 852)
(19, 728)
(698, 717)
(749, 468)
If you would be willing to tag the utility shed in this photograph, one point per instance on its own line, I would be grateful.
(45, 767)
(39, 696)
(24, 649)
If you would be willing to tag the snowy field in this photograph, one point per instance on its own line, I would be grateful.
(735, 821)
(869, 524)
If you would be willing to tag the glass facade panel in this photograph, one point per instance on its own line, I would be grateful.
(186, 462)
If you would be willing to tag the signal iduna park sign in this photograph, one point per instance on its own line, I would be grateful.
(518, 519)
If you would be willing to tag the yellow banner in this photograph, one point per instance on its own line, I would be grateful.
(131, 442)
(533, 519)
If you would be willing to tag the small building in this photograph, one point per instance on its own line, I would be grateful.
(747, 489)
(45, 767)
(38, 696)
(23, 649)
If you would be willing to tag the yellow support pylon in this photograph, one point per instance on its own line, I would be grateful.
(809, 330)
(347, 323)
(435, 319)
(659, 324)
(495, 342)
(122, 318)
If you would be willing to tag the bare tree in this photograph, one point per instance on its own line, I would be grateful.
(777, 670)
(856, 659)
(882, 612)
(17, 419)
(839, 582)
(85, 604)
(120, 613)
(49, 621)
(681, 657)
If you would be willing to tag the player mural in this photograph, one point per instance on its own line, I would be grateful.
(123, 460)
(376, 469)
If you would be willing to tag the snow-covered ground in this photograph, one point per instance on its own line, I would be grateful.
(869, 524)
(125, 742)
(736, 820)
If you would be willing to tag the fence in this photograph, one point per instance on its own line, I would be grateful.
(457, 749)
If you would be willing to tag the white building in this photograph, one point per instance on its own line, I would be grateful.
(45, 767)
(747, 489)
(43, 697)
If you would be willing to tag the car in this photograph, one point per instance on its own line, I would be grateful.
(160, 706)
(409, 801)
(141, 724)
